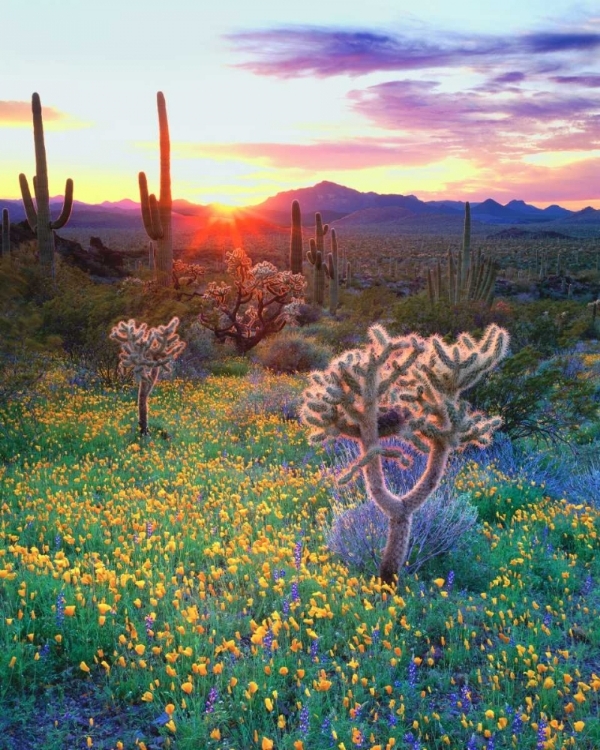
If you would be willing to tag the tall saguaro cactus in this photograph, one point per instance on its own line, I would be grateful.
(5, 250)
(468, 278)
(38, 215)
(156, 214)
(332, 270)
(296, 239)
(316, 257)
(411, 388)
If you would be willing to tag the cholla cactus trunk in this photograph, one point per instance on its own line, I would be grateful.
(411, 388)
(5, 249)
(38, 215)
(296, 239)
(144, 390)
(156, 214)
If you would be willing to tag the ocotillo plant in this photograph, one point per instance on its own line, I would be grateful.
(411, 388)
(316, 257)
(147, 352)
(5, 250)
(296, 253)
(156, 214)
(333, 273)
(468, 278)
(38, 216)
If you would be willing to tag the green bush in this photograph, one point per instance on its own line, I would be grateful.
(290, 352)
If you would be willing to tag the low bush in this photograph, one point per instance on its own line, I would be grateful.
(290, 352)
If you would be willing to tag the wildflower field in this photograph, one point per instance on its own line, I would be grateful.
(176, 590)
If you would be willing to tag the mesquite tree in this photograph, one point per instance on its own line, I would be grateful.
(147, 352)
(260, 302)
(411, 388)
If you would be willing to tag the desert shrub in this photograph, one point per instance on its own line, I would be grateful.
(280, 397)
(200, 353)
(236, 367)
(358, 528)
(308, 314)
(541, 399)
(337, 334)
(290, 352)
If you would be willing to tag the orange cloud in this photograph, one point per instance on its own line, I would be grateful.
(19, 114)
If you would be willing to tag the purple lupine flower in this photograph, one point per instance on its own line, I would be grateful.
(314, 648)
(45, 650)
(548, 619)
(286, 606)
(212, 699)
(268, 641)
(587, 585)
(295, 592)
(541, 734)
(149, 624)
(304, 722)
(450, 581)
(465, 697)
(412, 673)
(472, 744)
(414, 742)
(57, 541)
(149, 529)
(375, 635)
(60, 609)
(392, 719)
(298, 554)
(517, 725)
(491, 744)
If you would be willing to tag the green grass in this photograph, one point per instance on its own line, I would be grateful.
(137, 575)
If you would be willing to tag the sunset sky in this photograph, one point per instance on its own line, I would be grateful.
(465, 100)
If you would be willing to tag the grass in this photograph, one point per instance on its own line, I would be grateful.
(176, 591)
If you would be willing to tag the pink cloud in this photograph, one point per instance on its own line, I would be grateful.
(19, 113)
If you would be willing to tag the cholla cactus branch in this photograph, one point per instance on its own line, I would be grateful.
(147, 353)
(411, 388)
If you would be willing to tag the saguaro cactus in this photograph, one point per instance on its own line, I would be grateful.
(296, 239)
(468, 278)
(333, 273)
(5, 250)
(38, 216)
(316, 257)
(156, 214)
(411, 388)
(147, 352)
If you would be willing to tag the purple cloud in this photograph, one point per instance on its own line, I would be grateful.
(591, 81)
(323, 52)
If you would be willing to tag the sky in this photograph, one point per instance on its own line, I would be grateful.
(465, 100)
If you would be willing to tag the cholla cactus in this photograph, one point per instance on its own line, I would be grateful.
(260, 302)
(147, 352)
(411, 388)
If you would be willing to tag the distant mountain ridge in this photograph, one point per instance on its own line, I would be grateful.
(339, 205)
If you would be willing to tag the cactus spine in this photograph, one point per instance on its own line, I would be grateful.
(156, 214)
(469, 278)
(5, 233)
(333, 273)
(38, 215)
(296, 239)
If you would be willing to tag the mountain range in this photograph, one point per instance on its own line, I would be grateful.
(343, 207)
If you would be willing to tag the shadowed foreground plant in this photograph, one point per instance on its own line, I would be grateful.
(147, 352)
(411, 388)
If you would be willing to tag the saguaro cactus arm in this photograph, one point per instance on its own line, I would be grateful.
(411, 388)
(67, 207)
(30, 211)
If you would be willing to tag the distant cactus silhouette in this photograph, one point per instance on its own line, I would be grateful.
(316, 257)
(332, 269)
(156, 214)
(5, 248)
(468, 278)
(411, 388)
(38, 216)
(147, 352)
(296, 254)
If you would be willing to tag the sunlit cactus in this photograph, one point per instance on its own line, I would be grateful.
(156, 214)
(5, 248)
(147, 352)
(38, 215)
(296, 239)
(411, 388)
